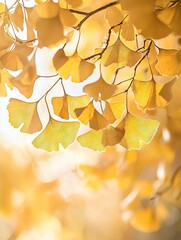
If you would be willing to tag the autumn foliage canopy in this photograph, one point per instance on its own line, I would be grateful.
(109, 71)
(102, 73)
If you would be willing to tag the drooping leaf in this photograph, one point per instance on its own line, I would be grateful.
(169, 62)
(99, 140)
(73, 66)
(24, 113)
(4, 80)
(120, 54)
(138, 131)
(100, 90)
(63, 106)
(50, 31)
(56, 133)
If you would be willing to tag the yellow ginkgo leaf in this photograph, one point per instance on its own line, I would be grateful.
(120, 54)
(73, 66)
(169, 62)
(63, 106)
(138, 131)
(145, 220)
(99, 140)
(4, 80)
(56, 133)
(60, 106)
(24, 113)
(100, 90)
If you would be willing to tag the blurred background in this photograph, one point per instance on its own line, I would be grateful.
(79, 194)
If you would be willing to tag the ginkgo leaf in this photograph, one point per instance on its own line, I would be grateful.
(120, 54)
(11, 61)
(6, 41)
(86, 113)
(144, 17)
(73, 66)
(113, 11)
(63, 106)
(67, 18)
(73, 3)
(98, 140)
(18, 17)
(24, 113)
(56, 133)
(138, 131)
(50, 31)
(49, 9)
(4, 80)
(146, 220)
(169, 62)
(24, 82)
(127, 30)
(100, 90)
(2, 10)
(60, 106)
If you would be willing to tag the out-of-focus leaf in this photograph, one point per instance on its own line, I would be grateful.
(138, 131)
(4, 79)
(24, 113)
(145, 220)
(169, 62)
(56, 133)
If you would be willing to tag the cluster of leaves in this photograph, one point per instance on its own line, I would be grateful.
(109, 50)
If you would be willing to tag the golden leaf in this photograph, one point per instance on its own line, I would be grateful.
(47, 10)
(67, 104)
(4, 80)
(120, 54)
(169, 62)
(18, 17)
(138, 131)
(73, 66)
(100, 90)
(98, 140)
(56, 133)
(145, 220)
(11, 61)
(50, 31)
(26, 113)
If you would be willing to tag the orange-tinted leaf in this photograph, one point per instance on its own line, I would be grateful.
(50, 31)
(100, 90)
